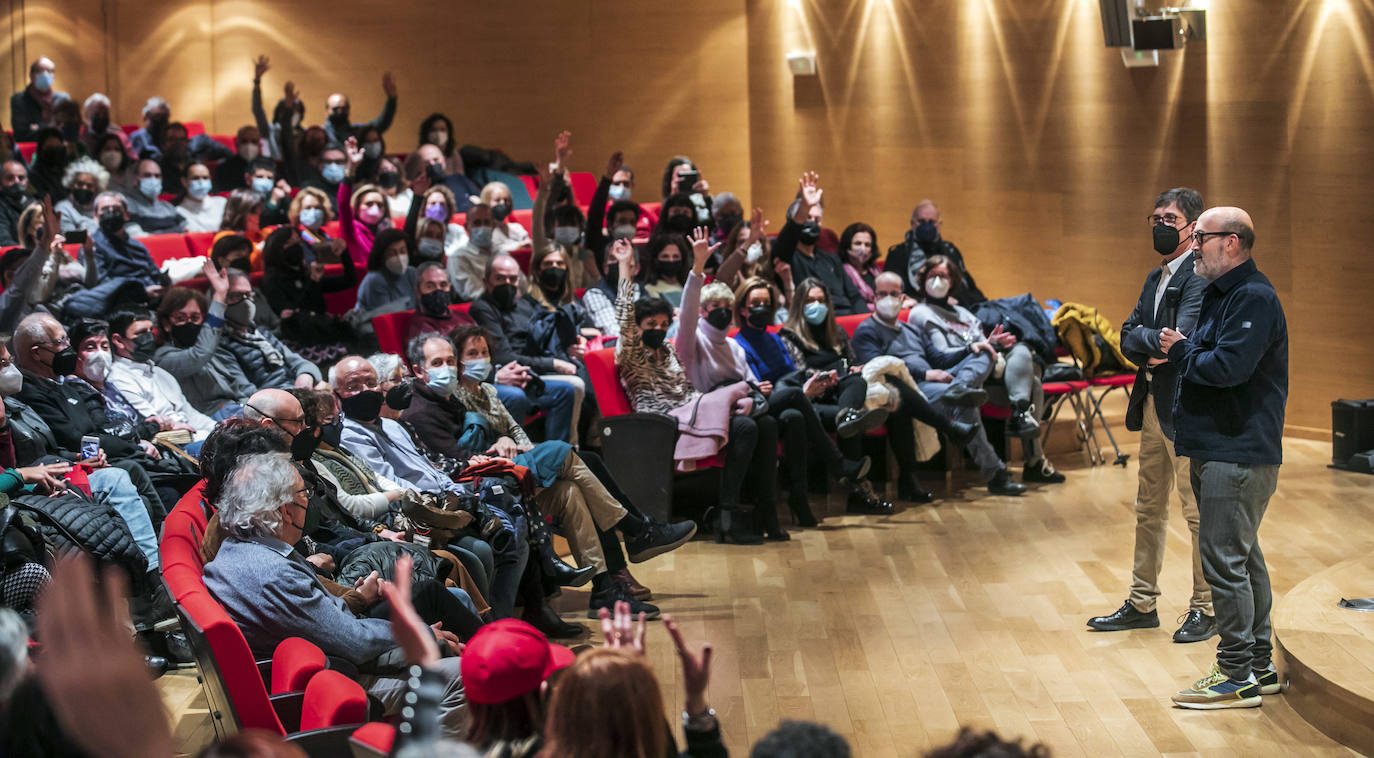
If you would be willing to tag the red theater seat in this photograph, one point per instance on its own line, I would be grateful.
(199, 243)
(391, 328)
(294, 662)
(166, 247)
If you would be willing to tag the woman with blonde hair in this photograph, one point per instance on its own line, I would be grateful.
(310, 210)
(508, 235)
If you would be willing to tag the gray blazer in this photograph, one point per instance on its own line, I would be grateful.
(271, 592)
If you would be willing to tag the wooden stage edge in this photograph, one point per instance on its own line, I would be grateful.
(1330, 652)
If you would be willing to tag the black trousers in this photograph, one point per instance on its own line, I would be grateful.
(435, 604)
(751, 455)
(802, 432)
(900, 432)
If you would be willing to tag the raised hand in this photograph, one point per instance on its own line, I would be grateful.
(624, 254)
(619, 629)
(702, 249)
(105, 703)
(410, 631)
(355, 154)
(696, 672)
(260, 66)
(757, 226)
(614, 164)
(291, 94)
(562, 150)
(219, 283)
(388, 85)
(810, 196)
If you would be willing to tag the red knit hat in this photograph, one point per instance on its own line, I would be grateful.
(508, 658)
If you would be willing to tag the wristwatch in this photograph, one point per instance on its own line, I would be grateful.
(700, 722)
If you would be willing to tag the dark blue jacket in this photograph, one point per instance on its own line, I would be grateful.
(1140, 343)
(1234, 373)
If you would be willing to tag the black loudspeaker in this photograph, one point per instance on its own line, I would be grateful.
(1352, 429)
(1156, 33)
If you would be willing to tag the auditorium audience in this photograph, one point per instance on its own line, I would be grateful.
(507, 235)
(340, 128)
(796, 246)
(32, 108)
(147, 387)
(202, 211)
(923, 240)
(389, 285)
(83, 180)
(433, 298)
(859, 250)
(153, 215)
(98, 125)
(467, 267)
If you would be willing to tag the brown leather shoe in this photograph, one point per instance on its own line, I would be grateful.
(638, 590)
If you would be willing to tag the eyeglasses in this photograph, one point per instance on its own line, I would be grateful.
(1169, 218)
(65, 342)
(1201, 237)
(179, 319)
(233, 298)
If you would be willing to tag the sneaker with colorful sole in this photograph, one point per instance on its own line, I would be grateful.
(1218, 691)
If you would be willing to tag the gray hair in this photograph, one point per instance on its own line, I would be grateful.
(1186, 199)
(717, 292)
(415, 349)
(96, 98)
(253, 494)
(85, 165)
(385, 364)
(154, 103)
(111, 193)
(14, 651)
(720, 200)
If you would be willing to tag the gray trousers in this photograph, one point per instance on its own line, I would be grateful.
(972, 371)
(1231, 500)
(453, 711)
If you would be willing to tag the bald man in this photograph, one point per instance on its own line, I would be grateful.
(1228, 420)
(32, 108)
(337, 107)
(281, 409)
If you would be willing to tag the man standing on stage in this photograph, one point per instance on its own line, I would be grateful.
(1228, 416)
(1171, 298)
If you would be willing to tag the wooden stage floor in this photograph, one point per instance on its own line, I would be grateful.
(895, 631)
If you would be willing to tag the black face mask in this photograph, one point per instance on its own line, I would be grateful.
(99, 124)
(339, 118)
(810, 233)
(243, 264)
(83, 196)
(552, 279)
(500, 211)
(1165, 238)
(185, 335)
(653, 338)
(668, 269)
(504, 296)
(303, 444)
(728, 221)
(388, 179)
(719, 318)
(926, 233)
(14, 195)
(364, 406)
(398, 398)
(760, 317)
(144, 347)
(332, 434)
(681, 224)
(64, 361)
(111, 220)
(435, 304)
(53, 156)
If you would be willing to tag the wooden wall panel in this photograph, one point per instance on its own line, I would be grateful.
(1042, 149)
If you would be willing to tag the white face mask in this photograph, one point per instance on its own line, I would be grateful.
(937, 287)
(754, 253)
(888, 307)
(11, 381)
(396, 264)
(97, 366)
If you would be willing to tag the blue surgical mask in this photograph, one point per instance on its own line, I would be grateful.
(198, 188)
(150, 186)
(619, 192)
(311, 217)
(814, 313)
(332, 173)
(262, 185)
(477, 369)
(443, 379)
(42, 81)
(481, 237)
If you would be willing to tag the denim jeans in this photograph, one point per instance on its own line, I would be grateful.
(509, 564)
(558, 402)
(112, 486)
(1231, 500)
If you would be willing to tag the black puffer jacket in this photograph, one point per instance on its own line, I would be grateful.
(71, 521)
(381, 557)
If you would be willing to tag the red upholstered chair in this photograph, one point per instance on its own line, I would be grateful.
(196, 128)
(339, 303)
(391, 331)
(294, 662)
(531, 184)
(332, 698)
(373, 740)
(199, 243)
(850, 323)
(26, 150)
(1058, 393)
(583, 187)
(522, 257)
(165, 247)
(1106, 384)
(523, 217)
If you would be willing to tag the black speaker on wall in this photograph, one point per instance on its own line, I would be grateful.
(1352, 430)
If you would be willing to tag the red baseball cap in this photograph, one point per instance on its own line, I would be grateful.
(508, 658)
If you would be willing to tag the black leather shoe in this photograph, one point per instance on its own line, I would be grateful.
(964, 396)
(659, 538)
(157, 665)
(1197, 627)
(731, 528)
(801, 510)
(864, 500)
(1126, 617)
(962, 432)
(852, 421)
(909, 489)
(548, 622)
(557, 571)
(1042, 473)
(1001, 484)
(606, 591)
(1022, 423)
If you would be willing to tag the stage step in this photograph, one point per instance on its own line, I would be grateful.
(1329, 652)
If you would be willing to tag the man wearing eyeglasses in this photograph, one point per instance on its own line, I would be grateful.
(1171, 298)
(1228, 417)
